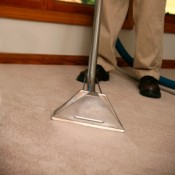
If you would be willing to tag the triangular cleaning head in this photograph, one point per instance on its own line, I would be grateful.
(89, 109)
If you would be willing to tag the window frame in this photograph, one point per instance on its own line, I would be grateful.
(55, 11)
(36, 4)
(87, 10)
(169, 26)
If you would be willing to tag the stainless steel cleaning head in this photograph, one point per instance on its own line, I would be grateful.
(87, 107)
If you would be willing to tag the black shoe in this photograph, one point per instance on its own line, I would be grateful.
(149, 87)
(101, 74)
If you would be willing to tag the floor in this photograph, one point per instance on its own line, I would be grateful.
(33, 144)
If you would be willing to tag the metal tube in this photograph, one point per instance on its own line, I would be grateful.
(94, 48)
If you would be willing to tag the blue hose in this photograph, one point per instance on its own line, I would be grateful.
(125, 55)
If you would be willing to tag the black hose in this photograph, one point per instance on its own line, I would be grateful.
(125, 55)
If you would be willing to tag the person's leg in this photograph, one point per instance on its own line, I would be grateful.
(113, 16)
(149, 25)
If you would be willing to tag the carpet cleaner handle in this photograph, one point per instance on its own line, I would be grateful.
(94, 48)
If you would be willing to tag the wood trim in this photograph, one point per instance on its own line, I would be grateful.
(68, 14)
(45, 16)
(16, 58)
(169, 64)
(36, 4)
(77, 8)
(62, 6)
(169, 26)
(166, 64)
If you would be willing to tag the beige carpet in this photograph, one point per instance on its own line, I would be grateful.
(33, 144)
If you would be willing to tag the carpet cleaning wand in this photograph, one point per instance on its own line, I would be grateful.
(88, 107)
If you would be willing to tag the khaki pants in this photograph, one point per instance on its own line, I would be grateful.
(148, 18)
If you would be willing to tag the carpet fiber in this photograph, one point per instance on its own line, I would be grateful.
(33, 144)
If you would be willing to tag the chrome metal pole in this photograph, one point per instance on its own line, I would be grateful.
(94, 47)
